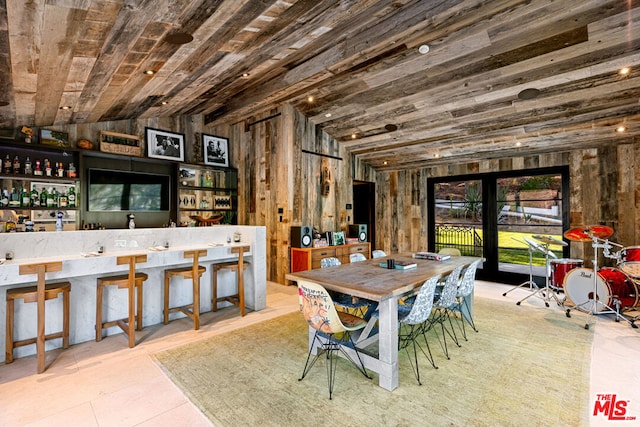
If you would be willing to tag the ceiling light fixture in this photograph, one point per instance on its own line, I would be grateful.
(624, 71)
(66, 107)
(164, 103)
(179, 38)
(424, 49)
(353, 136)
(436, 155)
(621, 129)
(384, 163)
(327, 115)
(149, 72)
(391, 127)
(309, 98)
(518, 144)
(244, 75)
(530, 93)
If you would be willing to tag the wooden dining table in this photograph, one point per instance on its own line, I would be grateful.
(367, 279)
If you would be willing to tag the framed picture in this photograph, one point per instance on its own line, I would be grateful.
(215, 150)
(54, 137)
(338, 238)
(222, 202)
(162, 144)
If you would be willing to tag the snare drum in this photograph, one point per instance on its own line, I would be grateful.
(611, 284)
(559, 269)
(630, 261)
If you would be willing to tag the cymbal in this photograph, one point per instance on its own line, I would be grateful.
(584, 234)
(535, 246)
(549, 240)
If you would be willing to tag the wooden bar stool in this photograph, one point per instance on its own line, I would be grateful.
(236, 299)
(38, 294)
(194, 273)
(131, 281)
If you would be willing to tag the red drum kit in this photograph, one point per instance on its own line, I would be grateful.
(604, 290)
(597, 290)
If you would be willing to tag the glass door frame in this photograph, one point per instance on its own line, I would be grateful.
(490, 268)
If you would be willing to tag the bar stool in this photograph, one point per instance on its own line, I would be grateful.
(238, 298)
(38, 294)
(194, 273)
(131, 281)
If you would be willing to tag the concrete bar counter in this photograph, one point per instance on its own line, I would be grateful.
(82, 265)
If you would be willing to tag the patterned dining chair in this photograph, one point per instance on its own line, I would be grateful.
(443, 308)
(357, 257)
(415, 324)
(378, 253)
(332, 330)
(464, 291)
(450, 251)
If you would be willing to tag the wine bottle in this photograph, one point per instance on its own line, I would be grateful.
(71, 198)
(16, 165)
(50, 200)
(27, 167)
(6, 165)
(43, 198)
(35, 198)
(63, 200)
(25, 200)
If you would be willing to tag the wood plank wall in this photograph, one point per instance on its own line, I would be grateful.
(274, 172)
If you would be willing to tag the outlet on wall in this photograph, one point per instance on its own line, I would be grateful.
(121, 244)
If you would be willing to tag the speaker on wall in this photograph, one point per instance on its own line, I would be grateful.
(359, 231)
(302, 237)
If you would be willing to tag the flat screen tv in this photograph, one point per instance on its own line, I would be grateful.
(114, 190)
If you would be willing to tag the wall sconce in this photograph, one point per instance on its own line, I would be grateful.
(325, 181)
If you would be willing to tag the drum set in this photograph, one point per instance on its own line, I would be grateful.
(597, 290)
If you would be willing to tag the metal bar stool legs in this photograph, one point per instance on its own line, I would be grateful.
(38, 294)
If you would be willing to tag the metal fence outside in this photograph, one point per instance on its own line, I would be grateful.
(462, 237)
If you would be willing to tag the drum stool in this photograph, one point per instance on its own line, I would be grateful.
(239, 266)
(39, 294)
(133, 282)
(194, 273)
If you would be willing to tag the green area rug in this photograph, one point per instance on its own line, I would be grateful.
(526, 366)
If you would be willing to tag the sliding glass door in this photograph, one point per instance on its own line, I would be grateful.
(514, 220)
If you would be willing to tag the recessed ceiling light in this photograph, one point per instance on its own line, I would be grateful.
(518, 144)
(179, 38)
(309, 98)
(424, 49)
(624, 71)
(353, 136)
(530, 93)
(436, 155)
(66, 107)
(621, 129)
(244, 75)
(164, 103)
(391, 127)
(327, 115)
(149, 72)
(384, 163)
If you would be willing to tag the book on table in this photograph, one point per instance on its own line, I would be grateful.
(400, 265)
(431, 256)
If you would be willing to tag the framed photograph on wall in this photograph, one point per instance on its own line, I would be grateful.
(162, 144)
(54, 137)
(215, 150)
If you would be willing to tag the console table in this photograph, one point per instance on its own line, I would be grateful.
(303, 259)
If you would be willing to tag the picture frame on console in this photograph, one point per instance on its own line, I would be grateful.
(162, 144)
(215, 150)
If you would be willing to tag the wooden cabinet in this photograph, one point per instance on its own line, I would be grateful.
(207, 195)
(309, 258)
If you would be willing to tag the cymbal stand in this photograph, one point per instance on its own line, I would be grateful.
(546, 291)
(530, 283)
(594, 301)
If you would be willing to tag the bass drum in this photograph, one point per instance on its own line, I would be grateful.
(611, 284)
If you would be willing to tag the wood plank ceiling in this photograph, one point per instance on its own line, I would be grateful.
(501, 78)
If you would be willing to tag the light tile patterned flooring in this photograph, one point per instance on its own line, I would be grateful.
(108, 384)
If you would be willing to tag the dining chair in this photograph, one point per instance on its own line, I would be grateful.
(378, 253)
(332, 330)
(357, 257)
(443, 308)
(414, 323)
(450, 251)
(465, 289)
(346, 302)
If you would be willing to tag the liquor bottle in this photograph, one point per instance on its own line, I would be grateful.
(15, 198)
(4, 200)
(60, 170)
(43, 198)
(71, 198)
(25, 200)
(35, 198)
(50, 200)
(38, 170)
(71, 173)
(16, 165)
(27, 167)
(63, 200)
(6, 166)
(47, 167)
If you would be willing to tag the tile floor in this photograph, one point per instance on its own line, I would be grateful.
(108, 384)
